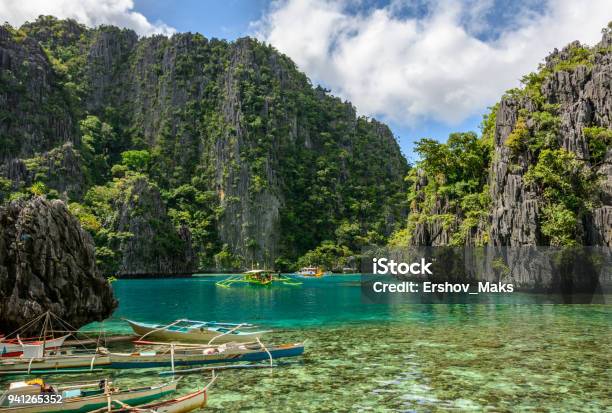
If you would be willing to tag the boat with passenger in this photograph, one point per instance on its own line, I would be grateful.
(261, 278)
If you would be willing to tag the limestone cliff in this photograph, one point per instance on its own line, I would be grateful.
(548, 176)
(253, 164)
(47, 263)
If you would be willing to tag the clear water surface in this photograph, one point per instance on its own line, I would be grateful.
(504, 357)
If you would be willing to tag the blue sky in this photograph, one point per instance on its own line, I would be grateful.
(228, 19)
(233, 19)
(425, 67)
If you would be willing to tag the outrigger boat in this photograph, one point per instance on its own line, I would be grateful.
(197, 331)
(177, 354)
(183, 404)
(57, 361)
(264, 278)
(15, 347)
(311, 272)
(24, 396)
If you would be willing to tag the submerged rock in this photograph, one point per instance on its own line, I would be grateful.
(47, 263)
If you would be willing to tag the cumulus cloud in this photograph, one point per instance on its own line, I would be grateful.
(438, 64)
(90, 12)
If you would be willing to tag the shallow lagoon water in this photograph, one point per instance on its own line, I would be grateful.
(373, 357)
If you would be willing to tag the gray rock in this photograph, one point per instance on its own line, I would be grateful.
(47, 263)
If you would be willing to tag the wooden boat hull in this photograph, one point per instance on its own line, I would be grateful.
(132, 397)
(135, 361)
(53, 363)
(193, 335)
(184, 404)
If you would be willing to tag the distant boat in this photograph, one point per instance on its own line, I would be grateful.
(15, 346)
(170, 355)
(197, 331)
(259, 277)
(79, 398)
(264, 278)
(311, 272)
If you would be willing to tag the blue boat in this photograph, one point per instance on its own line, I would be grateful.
(188, 355)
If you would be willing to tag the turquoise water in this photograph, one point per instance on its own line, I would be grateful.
(317, 302)
(388, 358)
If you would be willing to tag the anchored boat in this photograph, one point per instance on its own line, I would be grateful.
(63, 361)
(182, 404)
(197, 331)
(25, 396)
(311, 272)
(16, 346)
(170, 355)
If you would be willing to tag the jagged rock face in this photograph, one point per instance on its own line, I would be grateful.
(585, 99)
(47, 263)
(514, 218)
(234, 118)
(61, 168)
(154, 246)
(36, 115)
(572, 95)
(432, 232)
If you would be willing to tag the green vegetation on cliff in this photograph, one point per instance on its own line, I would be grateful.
(543, 163)
(222, 153)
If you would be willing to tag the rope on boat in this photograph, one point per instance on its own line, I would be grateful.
(267, 351)
(91, 365)
(30, 365)
(23, 327)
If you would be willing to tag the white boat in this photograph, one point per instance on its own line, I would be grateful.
(197, 331)
(16, 346)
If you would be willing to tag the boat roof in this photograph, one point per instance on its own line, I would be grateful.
(256, 271)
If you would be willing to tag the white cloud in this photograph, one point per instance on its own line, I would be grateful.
(413, 69)
(90, 12)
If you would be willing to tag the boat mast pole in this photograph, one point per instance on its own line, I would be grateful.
(45, 332)
(172, 356)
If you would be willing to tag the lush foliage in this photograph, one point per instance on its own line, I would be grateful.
(219, 128)
(327, 256)
(569, 189)
(452, 174)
